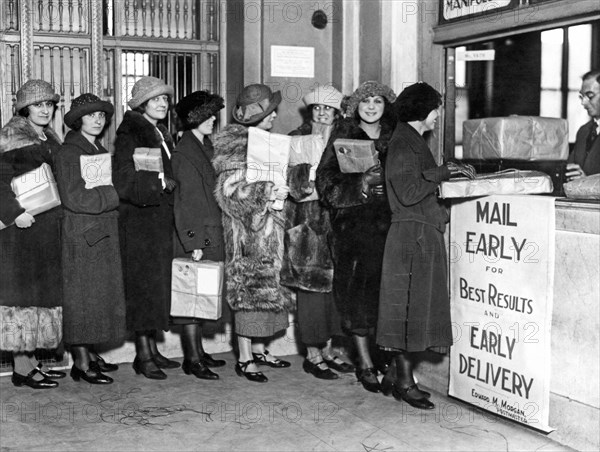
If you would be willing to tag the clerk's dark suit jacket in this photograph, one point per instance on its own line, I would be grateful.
(590, 163)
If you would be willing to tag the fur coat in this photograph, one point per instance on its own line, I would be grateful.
(146, 225)
(254, 232)
(30, 259)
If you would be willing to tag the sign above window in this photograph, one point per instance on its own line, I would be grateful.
(453, 10)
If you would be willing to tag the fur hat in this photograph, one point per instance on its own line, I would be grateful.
(324, 95)
(255, 103)
(367, 89)
(35, 91)
(85, 104)
(416, 101)
(147, 88)
(197, 107)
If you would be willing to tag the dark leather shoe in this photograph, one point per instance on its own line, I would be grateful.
(339, 365)
(411, 396)
(209, 361)
(261, 358)
(27, 380)
(148, 369)
(368, 378)
(165, 363)
(99, 365)
(258, 377)
(51, 374)
(199, 369)
(95, 378)
(324, 374)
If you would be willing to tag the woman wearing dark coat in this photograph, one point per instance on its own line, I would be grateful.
(308, 266)
(30, 262)
(360, 219)
(146, 224)
(197, 214)
(94, 300)
(253, 236)
(414, 311)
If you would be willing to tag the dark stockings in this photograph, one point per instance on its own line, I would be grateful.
(81, 355)
(403, 367)
(190, 339)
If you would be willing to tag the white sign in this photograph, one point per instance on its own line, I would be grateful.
(476, 55)
(501, 279)
(292, 61)
(455, 9)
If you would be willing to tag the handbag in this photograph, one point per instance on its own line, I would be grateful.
(197, 288)
(355, 156)
(36, 190)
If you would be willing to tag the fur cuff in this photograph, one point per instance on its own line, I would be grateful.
(30, 328)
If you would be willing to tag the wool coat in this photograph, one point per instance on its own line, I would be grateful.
(414, 311)
(307, 263)
(146, 224)
(94, 298)
(588, 160)
(30, 258)
(197, 214)
(359, 227)
(253, 230)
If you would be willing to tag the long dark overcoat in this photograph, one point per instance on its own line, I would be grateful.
(146, 225)
(94, 299)
(30, 258)
(359, 228)
(414, 312)
(197, 214)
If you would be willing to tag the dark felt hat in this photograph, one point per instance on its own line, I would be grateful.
(255, 103)
(84, 105)
(197, 107)
(416, 101)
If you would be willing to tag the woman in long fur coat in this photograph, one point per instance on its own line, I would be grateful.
(253, 236)
(30, 261)
(360, 219)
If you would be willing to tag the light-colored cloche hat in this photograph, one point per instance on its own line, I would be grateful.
(85, 104)
(197, 107)
(368, 89)
(35, 91)
(324, 95)
(255, 103)
(147, 88)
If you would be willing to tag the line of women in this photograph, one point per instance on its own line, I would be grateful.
(362, 254)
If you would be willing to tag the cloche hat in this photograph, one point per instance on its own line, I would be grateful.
(35, 91)
(324, 95)
(147, 88)
(255, 103)
(197, 107)
(85, 104)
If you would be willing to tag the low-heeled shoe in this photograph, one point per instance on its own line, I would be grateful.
(51, 374)
(199, 369)
(324, 374)
(100, 365)
(148, 369)
(422, 403)
(261, 358)
(343, 367)
(209, 361)
(27, 380)
(257, 377)
(368, 378)
(165, 363)
(92, 377)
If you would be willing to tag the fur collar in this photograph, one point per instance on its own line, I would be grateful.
(145, 133)
(19, 132)
(230, 148)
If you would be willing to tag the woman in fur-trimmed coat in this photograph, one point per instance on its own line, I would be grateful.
(253, 236)
(30, 257)
(360, 219)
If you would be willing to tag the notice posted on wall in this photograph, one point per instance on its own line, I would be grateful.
(501, 282)
(292, 61)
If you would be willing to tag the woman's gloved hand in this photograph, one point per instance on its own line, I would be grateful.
(25, 220)
(197, 255)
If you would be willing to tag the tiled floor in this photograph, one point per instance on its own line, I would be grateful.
(292, 412)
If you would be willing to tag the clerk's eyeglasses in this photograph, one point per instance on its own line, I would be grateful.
(588, 95)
